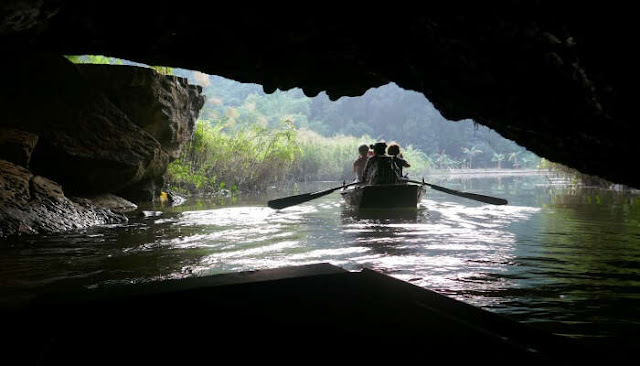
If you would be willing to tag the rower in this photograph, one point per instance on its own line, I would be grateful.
(380, 167)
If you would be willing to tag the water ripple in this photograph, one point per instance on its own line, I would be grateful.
(554, 258)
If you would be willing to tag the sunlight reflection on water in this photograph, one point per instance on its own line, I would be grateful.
(438, 250)
(435, 248)
(535, 258)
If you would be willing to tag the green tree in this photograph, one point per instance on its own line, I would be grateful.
(105, 60)
(279, 106)
(470, 153)
(498, 158)
(444, 161)
(529, 160)
(514, 157)
(94, 59)
(164, 70)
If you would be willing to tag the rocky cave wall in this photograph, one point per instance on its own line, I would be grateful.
(555, 77)
(74, 139)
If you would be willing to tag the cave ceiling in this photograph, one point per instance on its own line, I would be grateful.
(555, 77)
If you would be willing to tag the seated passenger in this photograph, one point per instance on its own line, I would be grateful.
(370, 153)
(394, 151)
(379, 168)
(361, 161)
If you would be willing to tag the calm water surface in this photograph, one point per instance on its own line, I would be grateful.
(559, 258)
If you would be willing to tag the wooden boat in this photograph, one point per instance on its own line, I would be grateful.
(351, 309)
(399, 195)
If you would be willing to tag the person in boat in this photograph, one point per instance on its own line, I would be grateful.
(370, 153)
(361, 161)
(379, 168)
(394, 151)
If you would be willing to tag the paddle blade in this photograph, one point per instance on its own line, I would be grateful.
(473, 196)
(285, 202)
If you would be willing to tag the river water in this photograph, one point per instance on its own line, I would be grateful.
(557, 257)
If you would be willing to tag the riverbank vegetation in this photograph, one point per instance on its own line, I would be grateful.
(253, 157)
(248, 140)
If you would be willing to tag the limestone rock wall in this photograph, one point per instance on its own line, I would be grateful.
(32, 204)
(85, 131)
(164, 106)
(17, 145)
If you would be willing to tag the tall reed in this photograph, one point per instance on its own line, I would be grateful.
(254, 157)
(250, 157)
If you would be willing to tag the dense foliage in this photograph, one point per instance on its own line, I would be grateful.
(98, 59)
(254, 156)
(388, 112)
(250, 157)
(249, 140)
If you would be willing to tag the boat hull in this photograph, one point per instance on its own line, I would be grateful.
(384, 196)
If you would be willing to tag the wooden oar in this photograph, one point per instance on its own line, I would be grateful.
(473, 196)
(295, 200)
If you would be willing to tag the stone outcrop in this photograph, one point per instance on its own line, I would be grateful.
(86, 141)
(16, 146)
(555, 77)
(93, 132)
(111, 202)
(31, 204)
(164, 106)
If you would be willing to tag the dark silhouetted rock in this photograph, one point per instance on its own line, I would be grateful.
(112, 202)
(14, 184)
(559, 84)
(33, 204)
(165, 106)
(64, 127)
(16, 146)
(85, 142)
